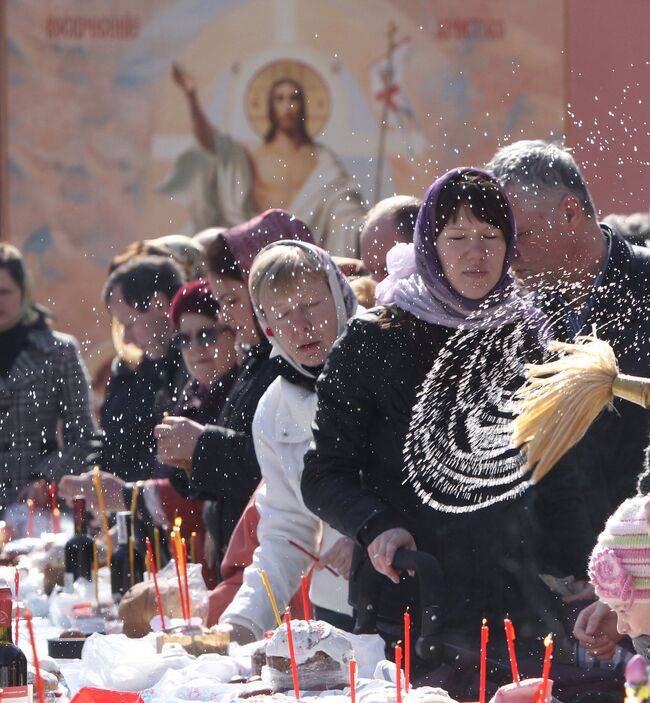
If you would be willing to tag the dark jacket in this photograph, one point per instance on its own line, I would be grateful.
(135, 403)
(354, 480)
(610, 457)
(45, 391)
(224, 466)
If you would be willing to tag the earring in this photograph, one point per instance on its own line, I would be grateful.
(269, 332)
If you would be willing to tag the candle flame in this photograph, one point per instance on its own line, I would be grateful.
(484, 623)
(548, 640)
(178, 521)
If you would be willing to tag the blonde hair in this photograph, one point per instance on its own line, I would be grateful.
(278, 269)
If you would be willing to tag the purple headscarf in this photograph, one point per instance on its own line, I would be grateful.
(417, 283)
(247, 239)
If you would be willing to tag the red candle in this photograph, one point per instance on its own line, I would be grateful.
(305, 597)
(17, 590)
(546, 671)
(398, 671)
(56, 513)
(510, 639)
(39, 681)
(30, 517)
(154, 571)
(485, 634)
(407, 650)
(353, 680)
(178, 574)
(292, 655)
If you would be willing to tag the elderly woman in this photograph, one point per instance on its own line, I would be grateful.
(45, 416)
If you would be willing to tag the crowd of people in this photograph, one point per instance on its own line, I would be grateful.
(263, 390)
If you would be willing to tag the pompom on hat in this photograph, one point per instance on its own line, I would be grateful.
(619, 566)
(194, 296)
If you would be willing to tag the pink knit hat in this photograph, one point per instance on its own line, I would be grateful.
(619, 567)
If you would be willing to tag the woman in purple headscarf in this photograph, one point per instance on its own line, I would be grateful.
(455, 276)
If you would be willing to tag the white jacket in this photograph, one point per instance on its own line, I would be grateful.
(282, 434)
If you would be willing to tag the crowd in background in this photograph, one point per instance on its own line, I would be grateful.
(262, 390)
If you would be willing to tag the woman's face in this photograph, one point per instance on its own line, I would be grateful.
(236, 309)
(303, 319)
(11, 299)
(471, 254)
(207, 346)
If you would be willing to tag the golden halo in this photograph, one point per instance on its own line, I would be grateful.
(317, 98)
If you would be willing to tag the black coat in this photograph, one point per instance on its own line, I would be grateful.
(610, 457)
(353, 479)
(135, 403)
(225, 470)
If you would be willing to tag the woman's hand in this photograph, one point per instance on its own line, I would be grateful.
(596, 631)
(382, 550)
(183, 79)
(112, 487)
(177, 438)
(338, 557)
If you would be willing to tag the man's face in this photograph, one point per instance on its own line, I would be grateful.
(146, 329)
(287, 106)
(544, 242)
(377, 238)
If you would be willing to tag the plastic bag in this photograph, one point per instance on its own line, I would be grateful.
(123, 664)
(76, 610)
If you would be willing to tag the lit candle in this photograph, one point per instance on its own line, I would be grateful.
(40, 689)
(292, 656)
(193, 547)
(17, 590)
(132, 559)
(398, 671)
(485, 634)
(156, 541)
(267, 585)
(546, 671)
(30, 517)
(178, 575)
(305, 596)
(56, 513)
(154, 571)
(97, 480)
(96, 569)
(407, 650)
(510, 639)
(186, 583)
(353, 680)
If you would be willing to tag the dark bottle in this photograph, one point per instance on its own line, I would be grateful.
(79, 548)
(121, 577)
(13, 664)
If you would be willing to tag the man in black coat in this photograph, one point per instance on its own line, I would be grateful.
(584, 276)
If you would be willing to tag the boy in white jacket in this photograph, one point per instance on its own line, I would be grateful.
(303, 303)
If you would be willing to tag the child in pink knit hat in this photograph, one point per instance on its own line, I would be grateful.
(619, 567)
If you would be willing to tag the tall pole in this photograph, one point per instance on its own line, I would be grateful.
(4, 119)
(381, 149)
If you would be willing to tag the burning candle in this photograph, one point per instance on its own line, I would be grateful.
(407, 650)
(156, 541)
(193, 547)
(154, 571)
(96, 569)
(30, 517)
(292, 655)
(40, 689)
(267, 585)
(398, 671)
(186, 583)
(56, 513)
(546, 671)
(176, 551)
(353, 680)
(17, 590)
(510, 639)
(305, 597)
(485, 634)
(97, 480)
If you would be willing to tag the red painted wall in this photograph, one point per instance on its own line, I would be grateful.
(609, 96)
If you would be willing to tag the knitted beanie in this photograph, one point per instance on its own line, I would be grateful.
(194, 296)
(619, 567)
